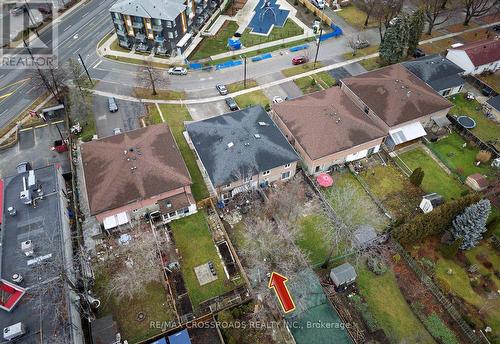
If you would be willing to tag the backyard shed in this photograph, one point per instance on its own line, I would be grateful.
(431, 201)
(477, 182)
(343, 275)
(364, 235)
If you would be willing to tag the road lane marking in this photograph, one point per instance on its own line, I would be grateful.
(97, 64)
(6, 95)
(67, 27)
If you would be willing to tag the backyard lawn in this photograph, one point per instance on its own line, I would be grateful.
(460, 160)
(312, 239)
(347, 190)
(435, 178)
(393, 189)
(315, 82)
(306, 67)
(486, 129)
(153, 304)
(194, 242)
(252, 98)
(290, 29)
(356, 17)
(175, 115)
(390, 309)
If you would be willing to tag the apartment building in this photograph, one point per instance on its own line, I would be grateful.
(164, 26)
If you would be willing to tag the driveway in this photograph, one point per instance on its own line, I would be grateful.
(203, 111)
(126, 118)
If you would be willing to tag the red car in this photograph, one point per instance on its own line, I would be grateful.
(299, 60)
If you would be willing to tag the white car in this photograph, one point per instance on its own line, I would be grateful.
(177, 71)
(319, 3)
(277, 100)
(117, 131)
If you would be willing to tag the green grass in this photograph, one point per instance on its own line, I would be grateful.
(322, 80)
(367, 211)
(136, 61)
(175, 115)
(290, 29)
(306, 67)
(371, 63)
(215, 44)
(486, 129)
(390, 309)
(356, 17)
(361, 52)
(435, 179)
(458, 159)
(312, 238)
(238, 85)
(194, 242)
(154, 115)
(146, 93)
(153, 304)
(105, 38)
(252, 98)
(88, 127)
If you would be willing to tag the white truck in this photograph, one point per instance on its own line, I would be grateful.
(14, 331)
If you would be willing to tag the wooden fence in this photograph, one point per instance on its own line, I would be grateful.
(468, 135)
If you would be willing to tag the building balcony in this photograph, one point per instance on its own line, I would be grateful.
(118, 21)
(121, 33)
(159, 39)
(213, 4)
(198, 2)
(157, 28)
(137, 25)
(124, 44)
(199, 10)
(140, 37)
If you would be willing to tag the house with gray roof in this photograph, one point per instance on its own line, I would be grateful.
(441, 74)
(241, 150)
(165, 26)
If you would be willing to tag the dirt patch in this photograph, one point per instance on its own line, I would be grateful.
(235, 6)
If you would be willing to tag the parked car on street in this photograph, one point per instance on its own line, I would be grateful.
(231, 103)
(418, 53)
(299, 60)
(113, 107)
(222, 89)
(277, 100)
(177, 71)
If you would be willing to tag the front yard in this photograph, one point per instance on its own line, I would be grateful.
(315, 82)
(486, 129)
(435, 178)
(356, 17)
(196, 247)
(175, 115)
(306, 67)
(458, 159)
(252, 98)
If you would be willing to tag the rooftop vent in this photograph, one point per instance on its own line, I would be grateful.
(230, 144)
(263, 124)
(257, 136)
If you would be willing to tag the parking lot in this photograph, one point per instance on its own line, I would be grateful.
(34, 146)
(126, 118)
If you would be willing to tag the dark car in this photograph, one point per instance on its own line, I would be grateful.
(231, 103)
(486, 91)
(17, 10)
(113, 107)
(222, 89)
(496, 28)
(299, 60)
(418, 53)
(45, 9)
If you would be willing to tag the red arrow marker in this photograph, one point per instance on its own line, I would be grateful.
(277, 282)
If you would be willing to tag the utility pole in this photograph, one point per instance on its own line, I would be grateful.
(30, 17)
(44, 79)
(86, 71)
(317, 46)
(244, 71)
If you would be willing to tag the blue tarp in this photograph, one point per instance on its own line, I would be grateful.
(181, 337)
(337, 31)
(299, 47)
(234, 43)
(228, 64)
(261, 57)
(160, 341)
(195, 66)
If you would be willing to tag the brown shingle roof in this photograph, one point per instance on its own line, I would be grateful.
(132, 166)
(482, 52)
(327, 122)
(396, 95)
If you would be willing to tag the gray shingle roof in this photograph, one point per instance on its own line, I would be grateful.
(159, 9)
(437, 71)
(495, 102)
(228, 148)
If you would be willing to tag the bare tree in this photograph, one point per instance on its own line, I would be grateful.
(477, 8)
(385, 12)
(434, 13)
(369, 7)
(75, 72)
(52, 79)
(79, 104)
(150, 77)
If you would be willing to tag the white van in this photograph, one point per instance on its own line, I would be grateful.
(14, 331)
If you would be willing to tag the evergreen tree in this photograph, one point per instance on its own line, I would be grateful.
(416, 27)
(470, 226)
(392, 47)
(417, 176)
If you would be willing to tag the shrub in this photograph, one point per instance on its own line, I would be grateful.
(450, 250)
(313, 81)
(367, 316)
(267, 107)
(459, 170)
(396, 258)
(483, 156)
(438, 329)
(417, 176)
(443, 284)
(376, 265)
